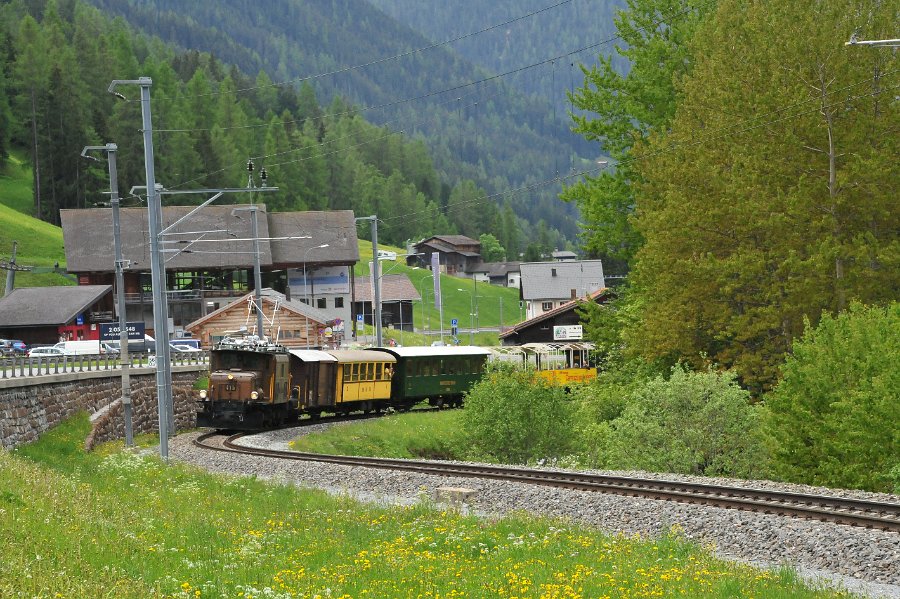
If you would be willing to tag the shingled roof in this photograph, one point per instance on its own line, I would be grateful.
(599, 296)
(394, 288)
(48, 306)
(556, 280)
(221, 234)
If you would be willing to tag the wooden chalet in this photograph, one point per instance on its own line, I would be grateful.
(290, 323)
(555, 325)
(458, 253)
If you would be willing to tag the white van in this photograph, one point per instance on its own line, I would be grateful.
(83, 348)
(387, 255)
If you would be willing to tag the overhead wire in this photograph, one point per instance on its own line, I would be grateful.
(676, 146)
(661, 20)
(388, 58)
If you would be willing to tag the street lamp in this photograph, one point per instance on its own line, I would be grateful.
(471, 314)
(124, 360)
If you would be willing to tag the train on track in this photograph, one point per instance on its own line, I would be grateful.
(256, 385)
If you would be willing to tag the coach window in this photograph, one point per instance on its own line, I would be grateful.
(378, 371)
(346, 372)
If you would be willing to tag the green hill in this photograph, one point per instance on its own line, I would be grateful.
(492, 299)
(40, 244)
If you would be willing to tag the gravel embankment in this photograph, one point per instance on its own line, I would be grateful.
(865, 561)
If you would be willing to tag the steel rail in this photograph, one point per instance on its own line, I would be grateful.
(839, 510)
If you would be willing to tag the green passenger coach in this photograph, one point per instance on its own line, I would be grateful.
(441, 375)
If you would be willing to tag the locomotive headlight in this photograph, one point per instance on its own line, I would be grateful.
(230, 376)
(203, 394)
(254, 395)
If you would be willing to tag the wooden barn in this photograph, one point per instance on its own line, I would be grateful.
(291, 323)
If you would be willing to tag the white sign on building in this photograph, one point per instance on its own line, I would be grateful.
(326, 280)
(567, 332)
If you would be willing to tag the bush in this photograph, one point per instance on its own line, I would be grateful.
(834, 416)
(513, 417)
(692, 423)
(603, 400)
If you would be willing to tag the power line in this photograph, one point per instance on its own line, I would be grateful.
(389, 58)
(662, 19)
(719, 134)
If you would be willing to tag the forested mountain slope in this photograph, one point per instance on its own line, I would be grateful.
(208, 118)
(486, 132)
(557, 28)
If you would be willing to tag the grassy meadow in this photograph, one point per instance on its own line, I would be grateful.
(39, 243)
(433, 435)
(119, 524)
(496, 305)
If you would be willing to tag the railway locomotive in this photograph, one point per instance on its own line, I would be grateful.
(253, 385)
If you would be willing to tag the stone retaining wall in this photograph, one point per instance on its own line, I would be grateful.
(29, 407)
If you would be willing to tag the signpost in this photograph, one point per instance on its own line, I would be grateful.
(568, 332)
(109, 331)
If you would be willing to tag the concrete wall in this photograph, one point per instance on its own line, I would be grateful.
(31, 406)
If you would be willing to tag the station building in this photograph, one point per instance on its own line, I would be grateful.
(209, 258)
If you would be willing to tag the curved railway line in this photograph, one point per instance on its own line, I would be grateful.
(839, 510)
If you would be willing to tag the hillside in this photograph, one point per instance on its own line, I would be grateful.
(489, 132)
(40, 244)
(556, 29)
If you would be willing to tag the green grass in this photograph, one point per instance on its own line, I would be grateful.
(39, 243)
(457, 304)
(16, 182)
(417, 434)
(121, 524)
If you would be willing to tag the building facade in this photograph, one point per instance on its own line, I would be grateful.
(546, 286)
(210, 256)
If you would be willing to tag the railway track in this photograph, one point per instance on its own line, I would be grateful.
(839, 510)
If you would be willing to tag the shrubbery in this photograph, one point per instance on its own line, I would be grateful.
(691, 423)
(513, 417)
(834, 418)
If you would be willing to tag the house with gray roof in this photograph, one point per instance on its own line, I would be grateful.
(548, 285)
(209, 257)
(398, 298)
(44, 315)
(458, 253)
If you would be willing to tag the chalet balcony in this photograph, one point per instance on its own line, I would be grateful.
(184, 295)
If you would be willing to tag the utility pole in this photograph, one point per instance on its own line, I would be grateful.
(165, 404)
(376, 298)
(124, 359)
(157, 273)
(11, 273)
(254, 232)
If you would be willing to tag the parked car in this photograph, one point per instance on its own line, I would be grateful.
(48, 352)
(135, 346)
(12, 347)
(181, 347)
